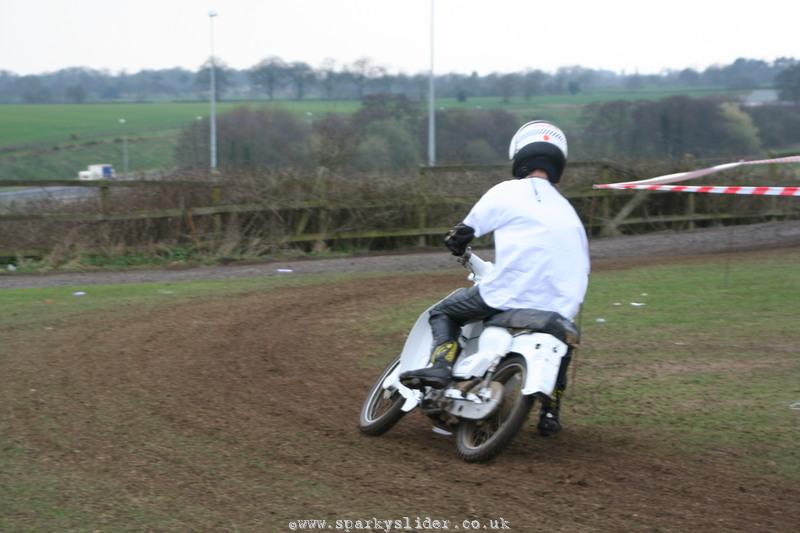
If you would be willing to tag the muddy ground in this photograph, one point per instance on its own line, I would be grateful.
(224, 415)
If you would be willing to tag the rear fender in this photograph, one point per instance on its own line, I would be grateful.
(543, 354)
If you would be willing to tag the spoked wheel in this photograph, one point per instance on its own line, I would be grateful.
(382, 408)
(480, 440)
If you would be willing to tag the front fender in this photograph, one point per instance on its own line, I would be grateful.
(543, 354)
(416, 354)
(412, 397)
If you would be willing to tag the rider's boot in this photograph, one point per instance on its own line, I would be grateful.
(549, 424)
(436, 376)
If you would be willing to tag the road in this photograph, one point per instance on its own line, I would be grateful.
(22, 197)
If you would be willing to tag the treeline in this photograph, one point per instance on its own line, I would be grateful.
(680, 126)
(388, 135)
(274, 77)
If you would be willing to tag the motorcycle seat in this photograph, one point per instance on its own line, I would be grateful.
(537, 320)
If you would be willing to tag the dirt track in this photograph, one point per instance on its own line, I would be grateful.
(603, 251)
(217, 416)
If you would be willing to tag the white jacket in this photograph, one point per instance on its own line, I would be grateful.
(541, 250)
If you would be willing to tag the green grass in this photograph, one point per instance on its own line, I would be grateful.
(27, 124)
(712, 357)
(41, 124)
(143, 155)
(44, 306)
(708, 365)
(56, 141)
(50, 140)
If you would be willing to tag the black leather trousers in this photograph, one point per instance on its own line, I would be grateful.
(447, 317)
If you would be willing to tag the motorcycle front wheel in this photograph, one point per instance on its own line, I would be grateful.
(481, 440)
(383, 408)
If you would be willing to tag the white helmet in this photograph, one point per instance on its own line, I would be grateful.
(538, 145)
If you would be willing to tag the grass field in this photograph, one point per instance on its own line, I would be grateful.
(55, 124)
(144, 154)
(119, 412)
(31, 308)
(55, 141)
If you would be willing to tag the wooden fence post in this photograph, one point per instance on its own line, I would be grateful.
(105, 198)
(606, 217)
(216, 198)
(690, 209)
(422, 209)
(772, 173)
(324, 212)
(302, 222)
(192, 228)
(611, 226)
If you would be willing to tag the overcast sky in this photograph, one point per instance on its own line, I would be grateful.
(483, 35)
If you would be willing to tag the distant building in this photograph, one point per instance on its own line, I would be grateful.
(761, 97)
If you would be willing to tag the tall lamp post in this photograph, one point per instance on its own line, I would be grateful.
(213, 121)
(431, 105)
(124, 149)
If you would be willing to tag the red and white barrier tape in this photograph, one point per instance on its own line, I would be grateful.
(769, 191)
(660, 183)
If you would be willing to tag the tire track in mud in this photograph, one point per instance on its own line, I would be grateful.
(248, 406)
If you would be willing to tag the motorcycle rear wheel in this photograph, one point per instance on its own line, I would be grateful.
(379, 413)
(481, 440)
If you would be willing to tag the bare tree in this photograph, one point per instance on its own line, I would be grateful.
(222, 77)
(326, 74)
(361, 71)
(301, 75)
(507, 85)
(269, 74)
(533, 83)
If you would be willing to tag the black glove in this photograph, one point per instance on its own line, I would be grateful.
(458, 238)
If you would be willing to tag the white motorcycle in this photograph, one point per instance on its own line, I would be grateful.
(506, 363)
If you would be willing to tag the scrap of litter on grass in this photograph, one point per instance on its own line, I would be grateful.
(617, 304)
(601, 320)
(79, 293)
(11, 268)
(638, 304)
(644, 294)
(284, 270)
(795, 406)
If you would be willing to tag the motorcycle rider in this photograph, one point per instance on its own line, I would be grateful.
(541, 257)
